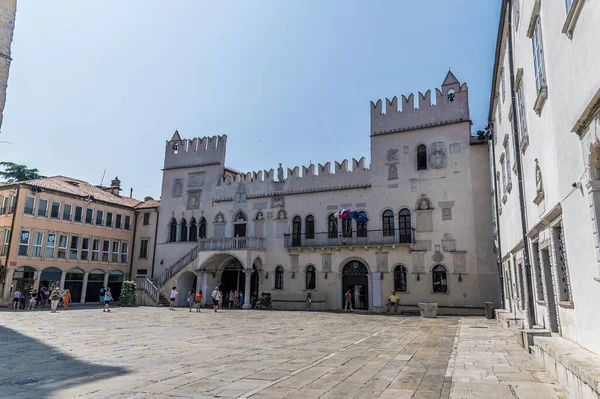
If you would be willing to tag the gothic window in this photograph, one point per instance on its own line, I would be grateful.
(311, 278)
(400, 278)
(404, 226)
(309, 232)
(332, 228)
(361, 226)
(451, 96)
(439, 279)
(279, 278)
(193, 230)
(202, 231)
(184, 230)
(173, 230)
(421, 157)
(388, 223)
(296, 231)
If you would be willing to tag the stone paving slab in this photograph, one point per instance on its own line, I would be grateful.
(156, 353)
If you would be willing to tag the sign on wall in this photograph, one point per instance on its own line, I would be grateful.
(376, 289)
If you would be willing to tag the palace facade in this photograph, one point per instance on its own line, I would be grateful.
(425, 193)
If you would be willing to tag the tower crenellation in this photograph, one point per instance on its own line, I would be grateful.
(452, 105)
(195, 152)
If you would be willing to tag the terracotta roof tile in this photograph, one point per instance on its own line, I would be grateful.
(148, 204)
(81, 189)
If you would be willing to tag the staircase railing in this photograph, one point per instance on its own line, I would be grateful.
(144, 284)
(177, 266)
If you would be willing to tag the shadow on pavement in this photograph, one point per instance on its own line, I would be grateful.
(29, 368)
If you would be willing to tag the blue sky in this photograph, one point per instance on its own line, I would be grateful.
(98, 85)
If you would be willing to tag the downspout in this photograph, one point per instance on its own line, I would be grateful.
(516, 143)
(490, 136)
(132, 246)
(12, 234)
(154, 249)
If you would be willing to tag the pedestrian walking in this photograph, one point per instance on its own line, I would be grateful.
(191, 298)
(232, 299)
(348, 296)
(54, 299)
(198, 300)
(67, 299)
(215, 297)
(107, 300)
(32, 302)
(17, 298)
(241, 298)
(236, 300)
(172, 298)
(308, 300)
(221, 297)
(102, 292)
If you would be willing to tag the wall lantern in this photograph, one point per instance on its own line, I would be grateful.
(459, 277)
(214, 275)
(418, 276)
(266, 275)
(325, 275)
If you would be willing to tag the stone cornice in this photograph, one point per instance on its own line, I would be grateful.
(192, 165)
(297, 192)
(424, 126)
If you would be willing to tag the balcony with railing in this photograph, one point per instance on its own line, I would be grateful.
(231, 244)
(364, 238)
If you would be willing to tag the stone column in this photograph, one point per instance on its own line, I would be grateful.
(247, 303)
(63, 275)
(7, 286)
(84, 287)
(36, 282)
(106, 279)
(340, 288)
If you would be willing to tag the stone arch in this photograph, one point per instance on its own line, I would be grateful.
(421, 202)
(351, 259)
(219, 218)
(240, 217)
(421, 156)
(221, 258)
(310, 282)
(185, 282)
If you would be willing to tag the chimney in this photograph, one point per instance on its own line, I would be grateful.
(115, 186)
(131, 193)
(148, 199)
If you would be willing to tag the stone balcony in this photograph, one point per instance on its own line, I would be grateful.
(231, 243)
(365, 238)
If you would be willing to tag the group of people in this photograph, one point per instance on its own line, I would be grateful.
(55, 296)
(220, 299)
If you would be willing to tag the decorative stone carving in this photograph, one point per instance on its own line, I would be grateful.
(454, 148)
(280, 172)
(392, 172)
(196, 180)
(326, 262)
(193, 199)
(294, 262)
(281, 215)
(447, 214)
(437, 155)
(177, 188)
(424, 204)
(413, 185)
(220, 218)
(277, 202)
(539, 184)
(240, 195)
(259, 216)
(448, 243)
(270, 215)
(392, 155)
(437, 256)
(406, 149)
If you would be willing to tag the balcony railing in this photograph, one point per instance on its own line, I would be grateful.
(387, 237)
(231, 243)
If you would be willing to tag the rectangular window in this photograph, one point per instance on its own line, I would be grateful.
(115, 252)
(89, 216)
(502, 166)
(42, 208)
(38, 240)
(62, 247)
(521, 111)
(67, 212)
(142, 272)
(85, 248)
(50, 244)
(11, 208)
(538, 56)
(74, 248)
(119, 221)
(109, 219)
(6, 242)
(95, 250)
(508, 175)
(499, 109)
(99, 218)
(146, 218)
(124, 252)
(55, 211)
(105, 250)
(78, 214)
(144, 249)
(127, 222)
(4, 205)
(29, 205)
(23, 243)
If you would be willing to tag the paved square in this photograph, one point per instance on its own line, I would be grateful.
(153, 352)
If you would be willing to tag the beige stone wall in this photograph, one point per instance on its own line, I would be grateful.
(144, 232)
(8, 9)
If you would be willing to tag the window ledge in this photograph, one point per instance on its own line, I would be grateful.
(597, 279)
(541, 100)
(572, 18)
(505, 141)
(524, 143)
(541, 302)
(504, 198)
(539, 197)
(514, 168)
(509, 186)
(566, 304)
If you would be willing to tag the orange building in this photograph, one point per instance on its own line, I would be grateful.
(60, 231)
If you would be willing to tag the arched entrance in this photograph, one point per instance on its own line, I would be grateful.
(185, 283)
(94, 285)
(233, 278)
(115, 283)
(50, 277)
(355, 276)
(23, 278)
(74, 283)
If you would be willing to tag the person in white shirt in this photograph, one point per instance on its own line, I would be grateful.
(172, 298)
(17, 298)
(215, 297)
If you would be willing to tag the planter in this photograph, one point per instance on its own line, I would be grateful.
(428, 310)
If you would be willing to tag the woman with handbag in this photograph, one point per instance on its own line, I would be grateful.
(107, 299)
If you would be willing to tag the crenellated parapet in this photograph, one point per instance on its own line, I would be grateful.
(452, 105)
(181, 153)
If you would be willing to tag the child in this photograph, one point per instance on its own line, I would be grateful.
(191, 298)
(198, 300)
(66, 299)
(32, 302)
(172, 298)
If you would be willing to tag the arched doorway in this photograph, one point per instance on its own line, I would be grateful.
(233, 278)
(355, 276)
(115, 283)
(186, 282)
(74, 283)
(239, 225)
(50, 277)
(23, 278)
(94, 285)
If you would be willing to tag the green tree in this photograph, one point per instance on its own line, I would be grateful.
(14, 172)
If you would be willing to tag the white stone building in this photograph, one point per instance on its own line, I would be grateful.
(545, 128)
(426, 195)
